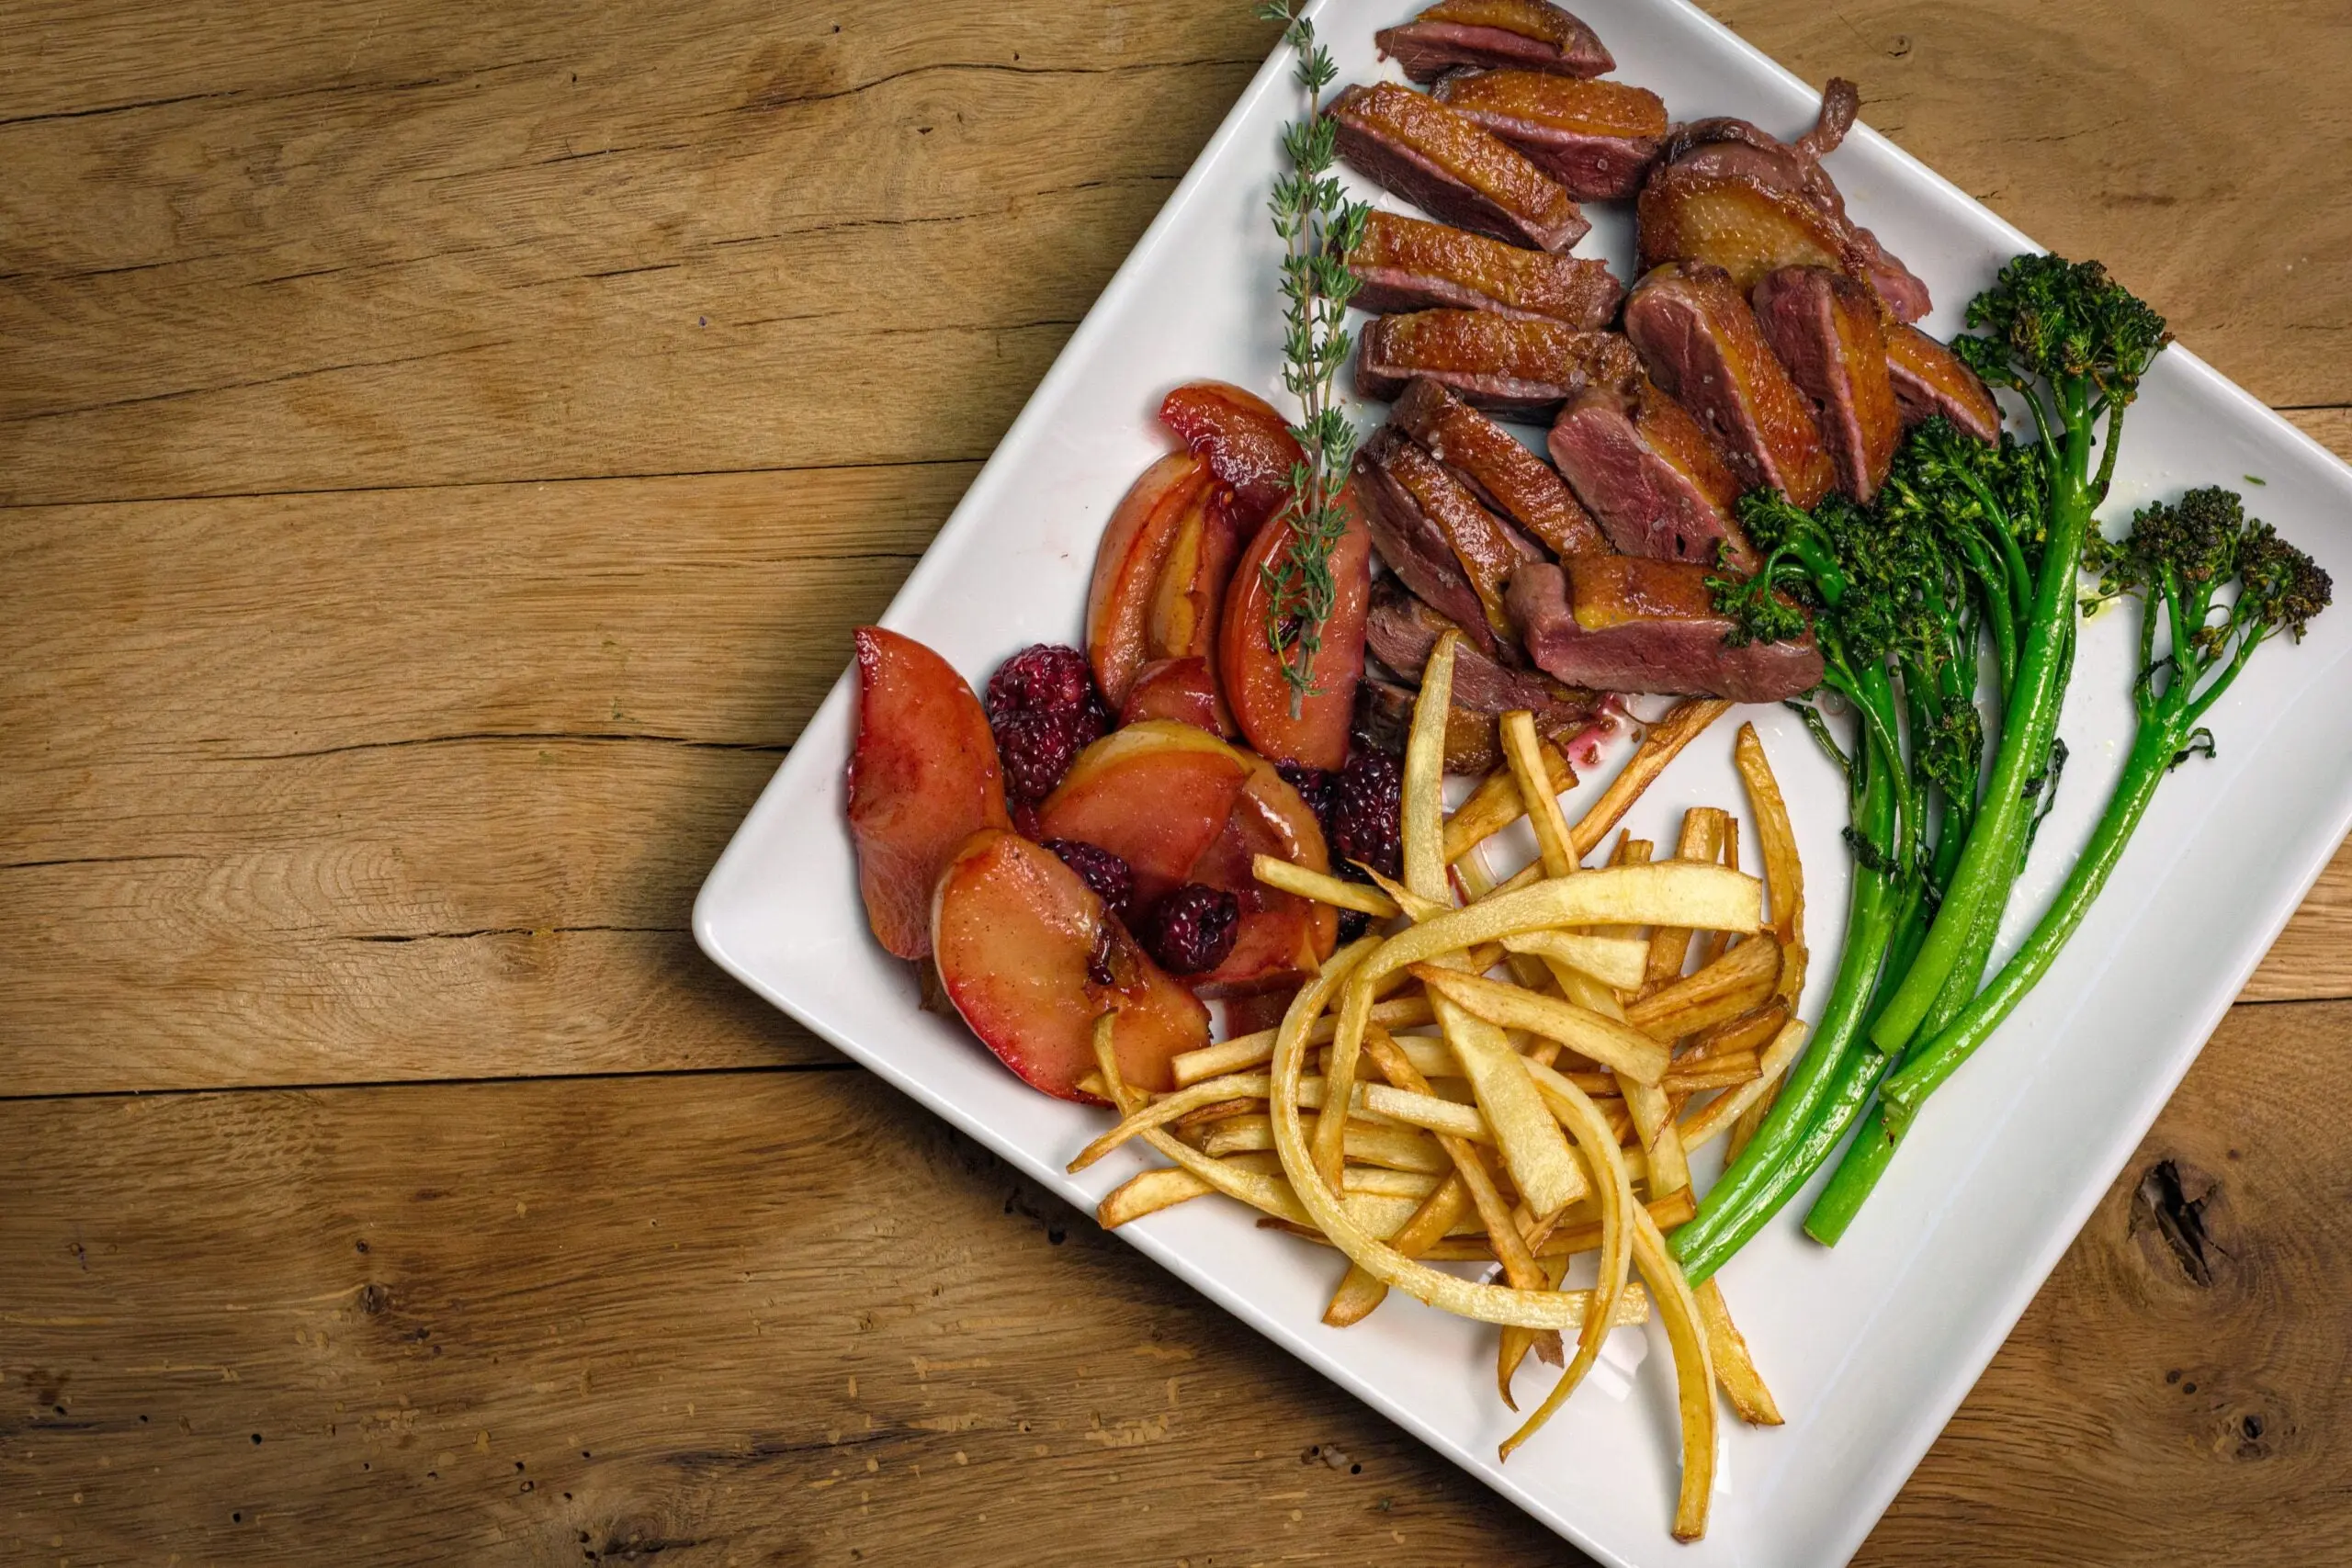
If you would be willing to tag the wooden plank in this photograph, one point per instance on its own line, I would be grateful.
(718, 237)
(497, 272)
(750, 1318)
(710, 609)
(2124, 131)
(785, 1316)
(408, 783)
(476, 909)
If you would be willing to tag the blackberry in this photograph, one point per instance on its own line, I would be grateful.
(1045, 710)
(1314, 786)
(1190, 932)
(1113, 880)
(1366, 820)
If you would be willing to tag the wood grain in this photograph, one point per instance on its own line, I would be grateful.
(409, 783)
(719, 237)
(787, 1317)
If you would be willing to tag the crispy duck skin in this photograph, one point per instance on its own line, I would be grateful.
(1623, 624)
(1410, 143)
(1412, 543)
(1645, 467)
(1502, 473)
(1487, 550)
(1725, 192)
(1410, 263)
(1598, 139)
(1525, 33)
(1829, 336)
(1498, 362)
(1930, 379)
(1700, 343)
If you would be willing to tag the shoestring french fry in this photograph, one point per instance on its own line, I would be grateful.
(1713, 1119)
(1496, 803)
(1255, 1049)
(1524, 753)
(1703, 839)
(1613, 1195)
(1510, 1121)
(1741, 979)
(1288, 877)
(1517, 1263)
(1734, 1367)
(1628, 1051)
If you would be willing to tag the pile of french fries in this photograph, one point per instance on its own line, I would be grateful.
(1415, 1109)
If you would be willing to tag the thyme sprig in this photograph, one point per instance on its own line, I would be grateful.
(1318, 226)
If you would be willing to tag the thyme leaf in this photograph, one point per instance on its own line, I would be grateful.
(1318, 227)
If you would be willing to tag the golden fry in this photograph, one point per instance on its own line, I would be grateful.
(1711, 1119)
(1682, 725)
(1625, 1050)
(1739, 980)
(1254, 1050)
(1360, 1293)
(1525, 755)
(1148, 1195)
(1703, 839)
(1424, 784)
(1775, 839)
(1735, 1369)
(1613, 1195)
(1496, 803)
(1612, 960)
(1288, 877)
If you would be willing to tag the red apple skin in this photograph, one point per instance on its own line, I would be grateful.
(1255, 687)
(1184, 690)
(922, 778)
(1282, 938)
(1024, 951)
(1156, 793)
(1128, 562)
(1188, 598)
(1247, 443)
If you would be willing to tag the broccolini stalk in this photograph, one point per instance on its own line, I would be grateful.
(1944, 557)
(2178, 560)
(1877, 594)
(2074, 343)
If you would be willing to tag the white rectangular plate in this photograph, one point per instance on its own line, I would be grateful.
(1871, 1347)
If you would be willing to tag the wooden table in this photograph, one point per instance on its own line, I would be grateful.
(444, 447)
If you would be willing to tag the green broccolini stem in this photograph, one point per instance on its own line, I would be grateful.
(1755, 1186)
(1940, 1056)
(2035, 701)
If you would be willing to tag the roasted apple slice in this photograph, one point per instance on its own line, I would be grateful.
(922, 778)
(1155, 795)
(1030, 958)
(1171, 497)
(1184, 690)
(1245, 442)
(1282, 938)
(1315, 732)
